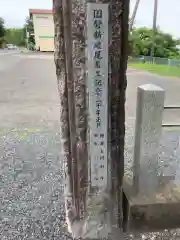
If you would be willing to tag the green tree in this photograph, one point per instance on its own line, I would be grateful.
(2, 31)
(141, 42)
(29, 29)
(15, 36)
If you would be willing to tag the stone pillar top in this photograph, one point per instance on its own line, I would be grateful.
(150, 87)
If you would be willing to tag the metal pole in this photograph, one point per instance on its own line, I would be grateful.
(154, 27)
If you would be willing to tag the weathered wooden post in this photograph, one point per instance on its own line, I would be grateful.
(97, 66)
(91, 41)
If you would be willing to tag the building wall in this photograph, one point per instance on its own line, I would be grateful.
(44, 31)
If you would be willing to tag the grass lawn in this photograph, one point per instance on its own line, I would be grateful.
(163, 70)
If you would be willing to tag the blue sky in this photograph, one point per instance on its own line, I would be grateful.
(15, 11)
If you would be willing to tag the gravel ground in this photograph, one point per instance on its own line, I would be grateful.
(31, 189)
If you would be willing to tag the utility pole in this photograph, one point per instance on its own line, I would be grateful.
(131, 22)
(93, 189)
(154, 27)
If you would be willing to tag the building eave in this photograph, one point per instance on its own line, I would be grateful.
(40, 11)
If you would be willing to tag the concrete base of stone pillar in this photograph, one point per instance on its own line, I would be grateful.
(156, 213)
